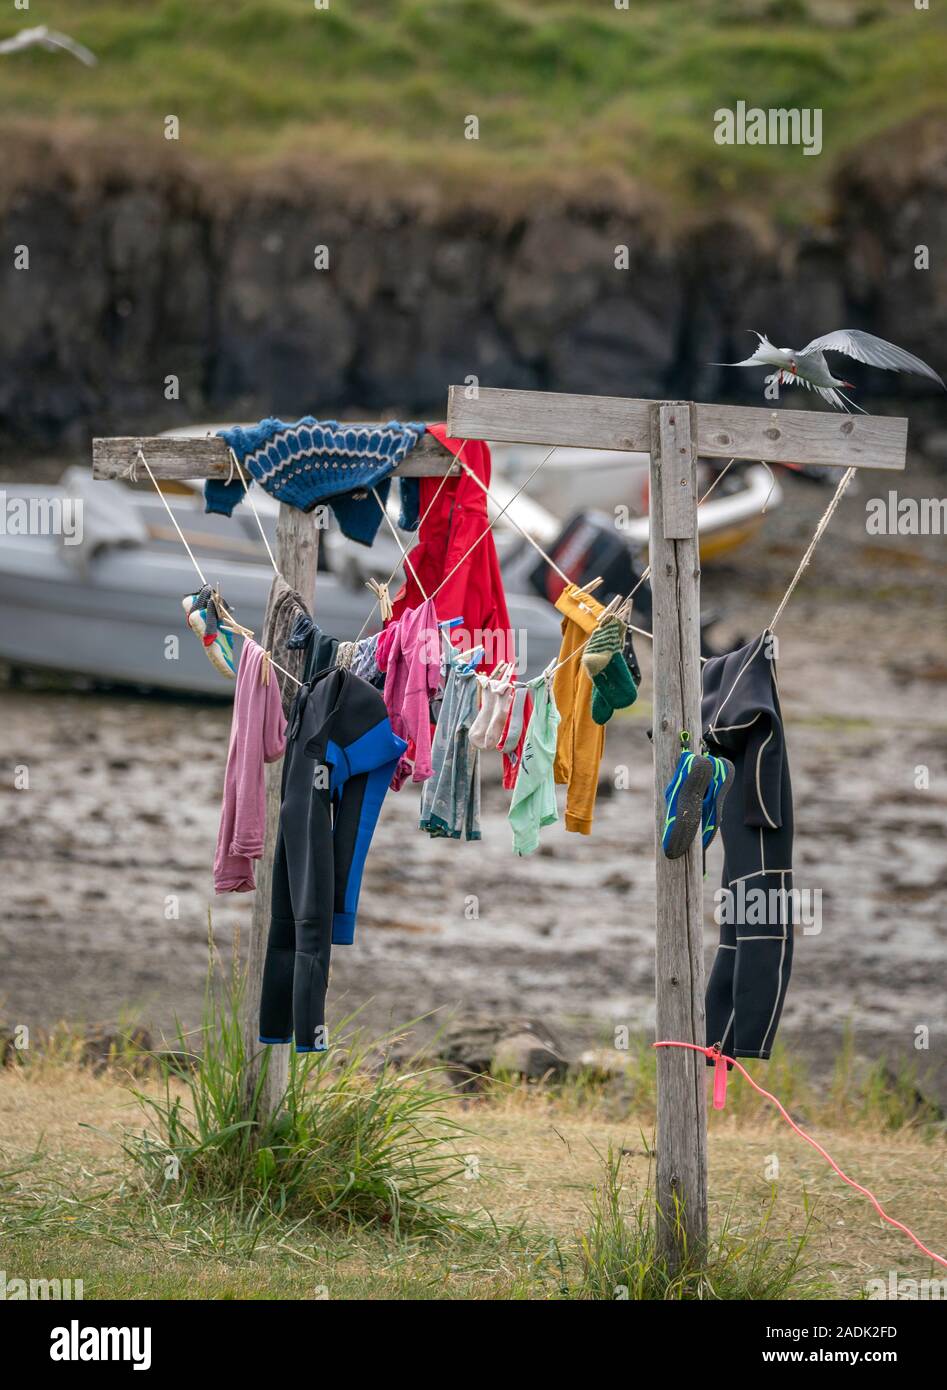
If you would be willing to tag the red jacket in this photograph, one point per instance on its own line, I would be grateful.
(474, 592)
(457, 519)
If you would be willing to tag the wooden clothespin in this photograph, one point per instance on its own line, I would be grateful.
(384, 599)
(586, 591)
(229, 618)
(265, 669)
(610, 609)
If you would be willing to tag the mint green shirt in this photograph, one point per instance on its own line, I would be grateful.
(534, 795)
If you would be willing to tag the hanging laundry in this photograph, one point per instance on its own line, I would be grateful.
(631, 656)
(345, 655)
(365, 662)
(409, 654)
(581, 741)
(496, 699)
(216, 636)
(513, 738)
(454, 513)
(685, 797)
(257, 735)
(533, 805)
(340, 757)
(742, 722)
(450, 798)
(604, 661)
(284, 610)
(455, 517)
(315, 461)
(721, 783)
(319, 648)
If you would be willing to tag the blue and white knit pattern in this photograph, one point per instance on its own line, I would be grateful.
(317, 461)
(307, 462)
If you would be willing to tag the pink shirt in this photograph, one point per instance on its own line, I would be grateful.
(257, 735)
(409, 653)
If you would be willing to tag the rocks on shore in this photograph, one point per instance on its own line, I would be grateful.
(481, 1045)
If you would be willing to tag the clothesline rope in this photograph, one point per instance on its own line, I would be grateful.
(228, 617)
(174, 520)
(817, 535)
(502, 510)
(404, 554)
(626, 604)
(416, 530)
(713, 1053)
(235, 462)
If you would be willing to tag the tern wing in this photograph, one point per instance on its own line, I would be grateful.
(54, 39)
(874, 352)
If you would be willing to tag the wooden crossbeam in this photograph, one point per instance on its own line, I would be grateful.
(723, 431)
(207, 456)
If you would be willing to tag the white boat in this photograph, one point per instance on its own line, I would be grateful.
(109, 607)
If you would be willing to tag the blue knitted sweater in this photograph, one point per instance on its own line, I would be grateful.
(317, 461)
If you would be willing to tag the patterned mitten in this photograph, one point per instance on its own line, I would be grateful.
(614, 689)
(605, 641)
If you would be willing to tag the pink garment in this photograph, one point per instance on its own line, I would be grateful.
(409, 653)
(257, 735)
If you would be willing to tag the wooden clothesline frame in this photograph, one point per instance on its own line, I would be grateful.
(675, 434)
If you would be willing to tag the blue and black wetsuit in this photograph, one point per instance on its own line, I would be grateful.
(341, 754)
(742, 722)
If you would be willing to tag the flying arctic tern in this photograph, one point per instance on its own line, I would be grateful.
(808, 367)
(42, 36)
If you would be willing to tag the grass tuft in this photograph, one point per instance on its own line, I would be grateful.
(351, 1144)
(620, 1257)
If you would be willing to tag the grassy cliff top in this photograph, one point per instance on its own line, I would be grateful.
(574, 92)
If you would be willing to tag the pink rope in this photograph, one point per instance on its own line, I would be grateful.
(713, 1053)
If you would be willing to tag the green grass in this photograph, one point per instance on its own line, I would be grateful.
(620, 1257)
(154, 1180)
(350, 1144)
(537, 1217)
(566, 91)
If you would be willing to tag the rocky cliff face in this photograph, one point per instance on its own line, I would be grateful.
(140, 273)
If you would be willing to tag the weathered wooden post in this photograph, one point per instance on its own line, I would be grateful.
(681, 1159)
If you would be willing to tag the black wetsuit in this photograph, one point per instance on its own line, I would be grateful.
(742, 722)
(341, 754)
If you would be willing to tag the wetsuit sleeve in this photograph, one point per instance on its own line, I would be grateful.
(762, 775)
(356, 816)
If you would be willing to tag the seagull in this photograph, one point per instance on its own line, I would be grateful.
(49, 39)
(808, 367)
